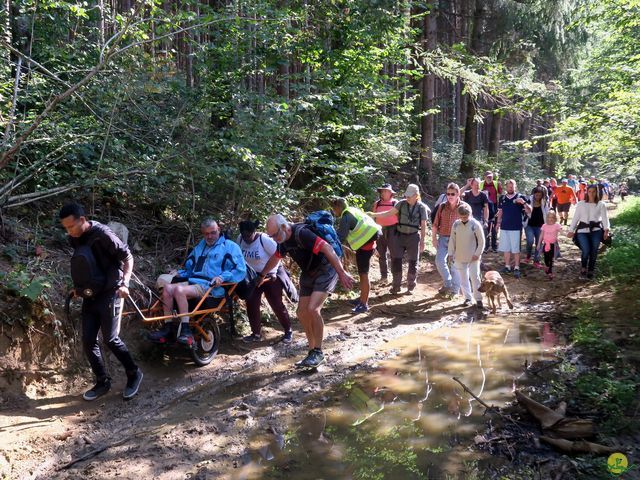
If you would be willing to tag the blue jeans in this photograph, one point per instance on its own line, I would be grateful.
(450, 276)
(589, 243)
(533, 237)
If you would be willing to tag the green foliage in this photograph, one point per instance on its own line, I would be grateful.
(609, 386)
(378, 454)
(21, 283)
(602, 117)
(621, 260)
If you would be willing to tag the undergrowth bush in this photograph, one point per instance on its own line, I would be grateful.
(622, 258)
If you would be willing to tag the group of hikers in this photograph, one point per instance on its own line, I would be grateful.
(466, 222)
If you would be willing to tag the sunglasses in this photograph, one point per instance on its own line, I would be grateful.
(451, 194)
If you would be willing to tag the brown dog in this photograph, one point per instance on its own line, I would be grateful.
(493, 285)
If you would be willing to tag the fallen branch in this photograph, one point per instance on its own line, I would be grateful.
(99, 450)
(481, 402)
(546, 367)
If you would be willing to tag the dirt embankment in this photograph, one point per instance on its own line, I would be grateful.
(198, 423)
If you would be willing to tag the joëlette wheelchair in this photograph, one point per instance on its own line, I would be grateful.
(205, 316)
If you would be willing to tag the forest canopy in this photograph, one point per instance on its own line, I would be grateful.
(240, 107)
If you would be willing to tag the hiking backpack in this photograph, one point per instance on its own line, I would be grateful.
(88, 278)
(441, 199)
(247, 285)
(321, 223)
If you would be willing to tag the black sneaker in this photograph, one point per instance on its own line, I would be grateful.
(98, 390)
(253, 338)
(479, 305)
(162, 335)
(186, 337)
(315, 358)
(133, 384)
(467, 302)
(589, 275)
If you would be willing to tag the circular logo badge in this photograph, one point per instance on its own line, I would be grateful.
(617, 463)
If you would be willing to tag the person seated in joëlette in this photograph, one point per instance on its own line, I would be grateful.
(213, 261)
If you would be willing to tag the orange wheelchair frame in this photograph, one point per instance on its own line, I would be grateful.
(204, 321)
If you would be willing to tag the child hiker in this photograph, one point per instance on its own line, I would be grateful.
(549, 241)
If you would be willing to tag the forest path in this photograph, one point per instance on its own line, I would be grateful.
(197, 423)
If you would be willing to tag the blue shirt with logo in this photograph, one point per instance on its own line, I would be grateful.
(512, 213)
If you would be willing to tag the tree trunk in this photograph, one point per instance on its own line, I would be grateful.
(471, 126)
(428, 96)
(494, 135)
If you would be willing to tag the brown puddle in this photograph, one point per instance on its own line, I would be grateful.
(408, 418)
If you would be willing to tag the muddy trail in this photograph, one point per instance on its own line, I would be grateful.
(250, 414)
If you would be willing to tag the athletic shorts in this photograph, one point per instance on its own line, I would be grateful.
(564, 207)
(509, 241)
(323, 279)
(363, 260)
(200, 290)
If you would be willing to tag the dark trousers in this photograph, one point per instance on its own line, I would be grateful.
(492, 235)
(411, 245)
(549, 256)
(103, 313)
(384, 245)
(589, 244)
(272, 290)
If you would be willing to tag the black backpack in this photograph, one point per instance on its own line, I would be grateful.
(247, 285)
(88, 278)
(442, 198)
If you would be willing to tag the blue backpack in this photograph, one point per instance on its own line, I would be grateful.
(321, 223)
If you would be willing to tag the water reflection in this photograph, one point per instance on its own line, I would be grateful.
(408, 419)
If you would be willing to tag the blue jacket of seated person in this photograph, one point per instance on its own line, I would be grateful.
(206, 262)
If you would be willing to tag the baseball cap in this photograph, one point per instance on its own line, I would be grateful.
(412, 189)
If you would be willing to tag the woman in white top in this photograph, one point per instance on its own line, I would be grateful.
(257, 249)
(590, 225)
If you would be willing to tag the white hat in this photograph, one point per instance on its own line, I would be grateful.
(412, 189)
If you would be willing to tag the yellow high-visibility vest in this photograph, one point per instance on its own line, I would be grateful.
(365, 228)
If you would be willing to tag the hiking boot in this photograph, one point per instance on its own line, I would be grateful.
(186, 337)
(394, 291)
(133, 384)
(467, 302)
(505, 270)
(315, 358)
(99, 389)
(162, 335)
(253, 338)
(583, 275)
(589, 275)
(287, 337)
(360, 308)
(442, 290)
(301, 363)
(494, 250)
(449, 295)
(516, 273)
(479, 305)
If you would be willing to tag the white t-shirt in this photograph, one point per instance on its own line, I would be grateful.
(258, 252)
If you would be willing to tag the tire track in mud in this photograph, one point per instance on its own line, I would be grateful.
(257, 383)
